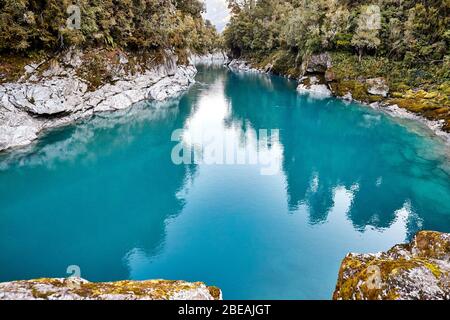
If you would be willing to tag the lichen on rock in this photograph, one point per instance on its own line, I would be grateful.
(377, 86)
(79, 289)
(419, 270)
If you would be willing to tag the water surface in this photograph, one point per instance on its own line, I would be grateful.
(104, 194)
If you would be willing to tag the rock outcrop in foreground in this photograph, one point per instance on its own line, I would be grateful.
(418, 270)
(80, 289)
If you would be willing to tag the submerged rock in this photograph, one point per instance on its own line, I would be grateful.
(418, 270)
(80, 289)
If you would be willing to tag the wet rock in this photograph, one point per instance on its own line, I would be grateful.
(418, 270)
(377, 86)
(80, 289)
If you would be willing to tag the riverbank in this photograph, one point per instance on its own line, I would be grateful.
(325, 75)
(97, 169)
(74, 288)
(77, 84)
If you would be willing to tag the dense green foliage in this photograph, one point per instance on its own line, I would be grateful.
(402, 30)
(27, 25)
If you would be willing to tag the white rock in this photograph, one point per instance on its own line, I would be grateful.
(315, 90)
(312, 87)
(377, 86)
(17, 129)
(115, 102)
(218, 57)
(171, 86)
(26, 105)
(434, 125)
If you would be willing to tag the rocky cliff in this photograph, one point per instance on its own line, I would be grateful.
(77, 84)
(419, 270)
(322, 77)
(80, 289)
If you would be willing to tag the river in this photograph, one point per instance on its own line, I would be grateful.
(106, 196)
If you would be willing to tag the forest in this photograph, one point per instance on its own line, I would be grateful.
(139, 25)
(404, 30)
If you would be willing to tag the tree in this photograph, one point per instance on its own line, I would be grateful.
(368, 26)
(425, 32)
(393, 28)
(27, 25)
(335, 24)
(237, 6)
(303, 29)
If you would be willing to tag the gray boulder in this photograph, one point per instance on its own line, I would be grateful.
(377, 86)
(318, 63)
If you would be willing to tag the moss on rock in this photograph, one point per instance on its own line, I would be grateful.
(80, 289)
(418, 270)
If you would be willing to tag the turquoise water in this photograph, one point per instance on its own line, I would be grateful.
(104, 194)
